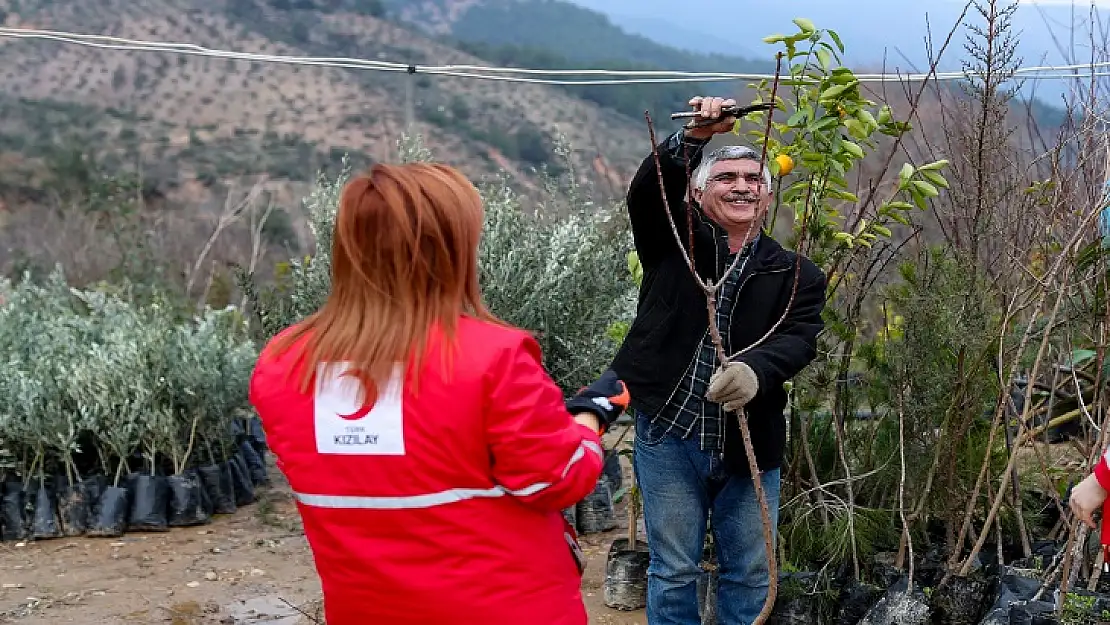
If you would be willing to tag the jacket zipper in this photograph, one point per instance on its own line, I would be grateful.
(736, 297)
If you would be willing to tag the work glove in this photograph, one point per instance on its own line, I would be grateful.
(733, 385)
(607, 398)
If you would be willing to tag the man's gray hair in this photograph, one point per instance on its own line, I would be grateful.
(727, 153)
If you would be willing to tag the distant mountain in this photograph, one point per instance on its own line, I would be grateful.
(558, 26)
(555, 34)
(665, 31)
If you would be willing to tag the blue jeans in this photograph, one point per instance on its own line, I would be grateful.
(681, 486)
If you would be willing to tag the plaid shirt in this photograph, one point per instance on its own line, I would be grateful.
(688, 410)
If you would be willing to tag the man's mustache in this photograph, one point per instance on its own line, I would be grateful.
(742, 197)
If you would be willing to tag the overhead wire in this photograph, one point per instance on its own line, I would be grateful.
(514, 74)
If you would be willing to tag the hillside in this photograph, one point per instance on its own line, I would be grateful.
(557, 34)
(186, 118)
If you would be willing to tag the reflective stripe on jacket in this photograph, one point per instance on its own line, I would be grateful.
(442, 506)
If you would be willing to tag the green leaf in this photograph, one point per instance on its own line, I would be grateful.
(852, 148)
(798, 118)
(900, 218)
(865, 117)
(822, 124)
(774, 38)
(925, 188)
(919, 199)
(882, 230)
(934, 178)
(836, 38)
(855, 128)
(885, 115)
(840, 194)
(836, 90)
(935, 165)
(824, 58)
(1081, 356)
(900, 205)
(905, 174)
(842, 76)
(804, 25)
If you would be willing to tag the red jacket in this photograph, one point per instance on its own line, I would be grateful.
(443, 506)
(1102, 470)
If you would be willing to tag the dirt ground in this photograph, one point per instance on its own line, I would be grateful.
(250, 567)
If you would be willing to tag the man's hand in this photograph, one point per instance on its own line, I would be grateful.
(710, 108)
(1087, 497)
(734, 385)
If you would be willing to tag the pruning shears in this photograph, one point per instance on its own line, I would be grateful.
(736, 111)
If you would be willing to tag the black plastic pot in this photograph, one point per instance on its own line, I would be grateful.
(150, 501)
(216, 482)
(626, 576)
(73, 507)
(186, 506)
(796, 604)
(109, 515)
(13, 520)
(855, 600)
(257, 436)
(256, 467)
(962, 600)
(1033, 613)
(595, 513)
(897, 606)
(241, 481)
(45, 524)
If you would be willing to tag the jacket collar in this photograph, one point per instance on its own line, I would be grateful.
(769, 254)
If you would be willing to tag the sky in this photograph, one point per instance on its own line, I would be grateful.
(871, 29)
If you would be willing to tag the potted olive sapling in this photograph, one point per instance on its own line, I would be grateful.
(627, 564)
(188, 381)
(222, 343)
(20, 434)
(116, 400)
(48, 413)
(239, 356)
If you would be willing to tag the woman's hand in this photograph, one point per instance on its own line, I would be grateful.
(589, 420)
(1087, 497)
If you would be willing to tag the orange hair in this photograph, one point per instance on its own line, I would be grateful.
(404, 263)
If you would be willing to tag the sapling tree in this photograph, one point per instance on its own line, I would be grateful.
(115, 389)
(830, 128)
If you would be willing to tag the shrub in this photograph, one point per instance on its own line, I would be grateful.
(559, 272)
(97, 382)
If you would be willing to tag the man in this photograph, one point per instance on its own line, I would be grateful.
(689, 457)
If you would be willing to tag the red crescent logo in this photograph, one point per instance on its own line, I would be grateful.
(367, 406)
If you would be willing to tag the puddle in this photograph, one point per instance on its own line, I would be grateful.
(269, 609)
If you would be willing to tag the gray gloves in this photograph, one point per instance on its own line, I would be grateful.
(733, 385)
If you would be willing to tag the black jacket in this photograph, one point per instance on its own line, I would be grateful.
(671, 316)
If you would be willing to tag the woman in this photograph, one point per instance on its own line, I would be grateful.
(1090, 494)
(429, 452)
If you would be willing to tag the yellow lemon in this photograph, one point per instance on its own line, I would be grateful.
(786, 164)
